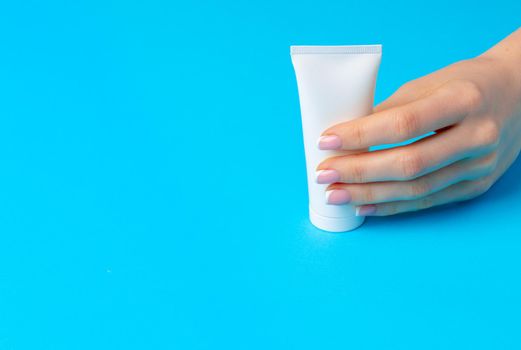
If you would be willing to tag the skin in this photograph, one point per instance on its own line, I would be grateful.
(474, 109)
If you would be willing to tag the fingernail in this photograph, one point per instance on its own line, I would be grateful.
(329, 142)
(327, 176)
(337, 197)
(366, 210)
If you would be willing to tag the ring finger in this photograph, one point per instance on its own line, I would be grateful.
(380, 192)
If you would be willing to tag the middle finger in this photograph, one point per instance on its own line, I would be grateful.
(397, 164)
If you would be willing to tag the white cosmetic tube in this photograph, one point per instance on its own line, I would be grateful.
(335, 84)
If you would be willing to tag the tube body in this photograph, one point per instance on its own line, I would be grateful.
(335, 84)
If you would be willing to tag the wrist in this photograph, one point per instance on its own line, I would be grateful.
(507, 56)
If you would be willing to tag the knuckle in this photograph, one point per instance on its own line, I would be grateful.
(488, 134)
(411, 165)
(358, 173)
(393, 210)
(479, 187)
(389, 209)
(471, 94)
(485, 184)
(447, 90)
(489, 162)
(405, 123)
(369, 195)
(426, 203)
(357, 135)
(419, 188)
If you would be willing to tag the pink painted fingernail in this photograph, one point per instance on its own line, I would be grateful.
(327, 176)
(337, 197)
(366, 210)
(329, 142)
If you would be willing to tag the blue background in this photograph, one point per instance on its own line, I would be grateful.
(153, 195)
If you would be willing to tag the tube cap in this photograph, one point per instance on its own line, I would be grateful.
(331, 224)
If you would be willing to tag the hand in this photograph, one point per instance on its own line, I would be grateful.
(472, 107)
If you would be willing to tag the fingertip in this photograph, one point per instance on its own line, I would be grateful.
(365, 210)
(329, 142)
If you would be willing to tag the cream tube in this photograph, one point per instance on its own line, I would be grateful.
(335, 84)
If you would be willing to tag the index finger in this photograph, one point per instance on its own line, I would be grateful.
(445, 106)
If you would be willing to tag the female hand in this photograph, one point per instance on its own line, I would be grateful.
(474, 109)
